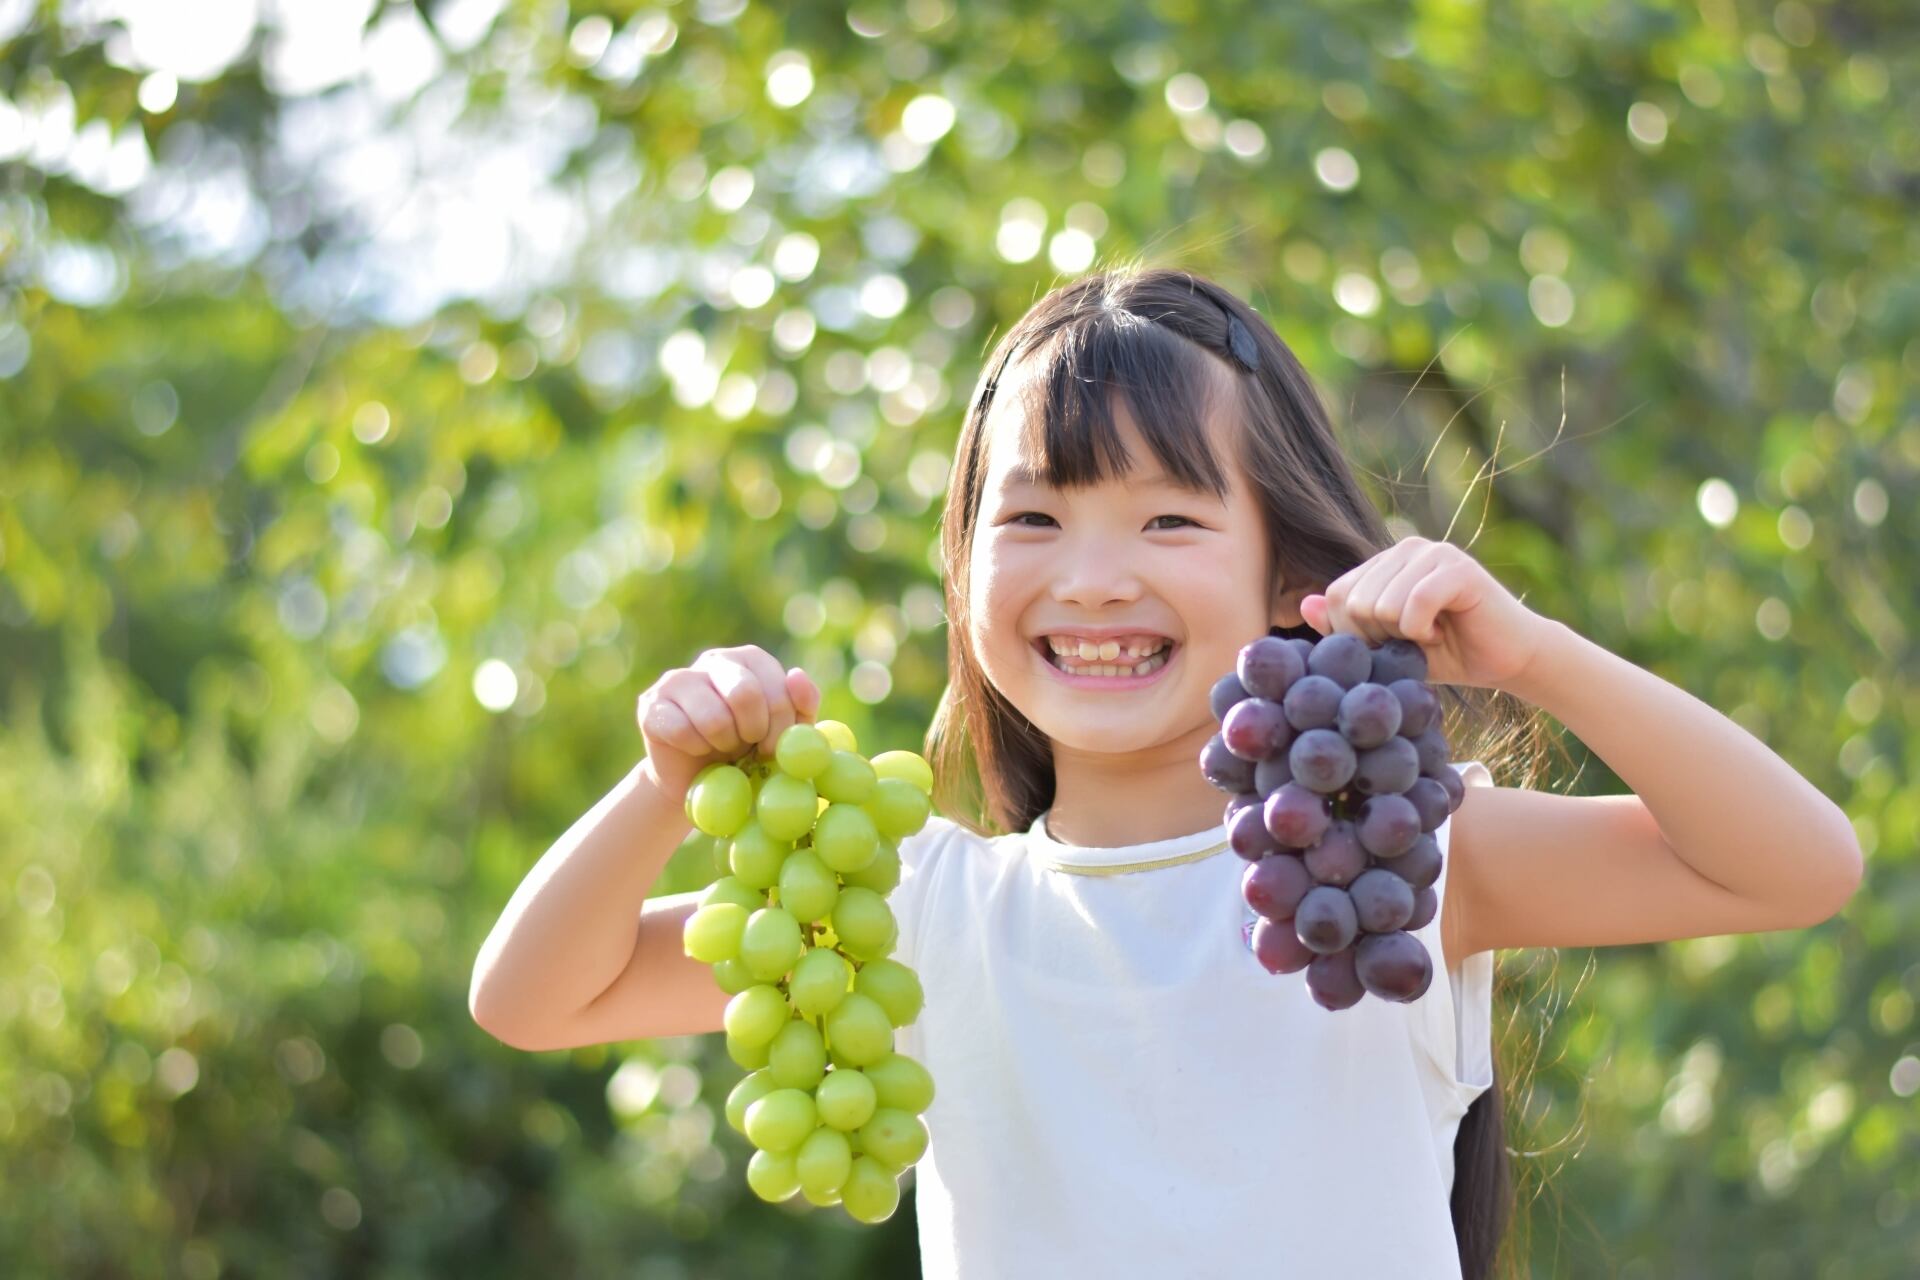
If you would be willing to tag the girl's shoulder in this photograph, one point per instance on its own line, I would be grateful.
(934, 838)
(939, 837)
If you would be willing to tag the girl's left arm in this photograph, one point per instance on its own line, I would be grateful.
(1720, 836)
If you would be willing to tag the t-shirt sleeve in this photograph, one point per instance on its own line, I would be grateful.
(919, 855)
(1459, 1004)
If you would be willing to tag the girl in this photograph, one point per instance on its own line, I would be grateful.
(1145, 481)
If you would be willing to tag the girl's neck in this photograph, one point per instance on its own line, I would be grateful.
(1105, 801)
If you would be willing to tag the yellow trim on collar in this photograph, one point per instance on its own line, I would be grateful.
(1082, 869)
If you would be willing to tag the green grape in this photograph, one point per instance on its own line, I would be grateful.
(895, 1136)
(819, 982)
(861, 920)
(754, 857)
(686, 801)
(732, 977)
(781, 1120)
(905, 765)
(859, 1030)
(871, 1191)
(753, 1086)
(848, 779)
(893, 987)
(839, 734)
(803, 751)
(750, 1057)
(770, 943)
(901, 1083)
(882, 875)
(729, 889)
(721, 801)
(823, 1161)
(712, 934)
(845, 837)
(846, 1098)
(756, 1015)
(798, 1056)
(772, 1176)
(898, 808)
(826, 1201)
(807, 887)
(786, 807)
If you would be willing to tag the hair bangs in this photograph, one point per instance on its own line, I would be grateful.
(1070, 437)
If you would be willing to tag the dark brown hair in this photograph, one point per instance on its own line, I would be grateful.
(1172, 343)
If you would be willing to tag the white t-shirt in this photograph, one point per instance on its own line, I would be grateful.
(1122, 1090)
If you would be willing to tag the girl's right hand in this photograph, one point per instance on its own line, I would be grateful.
(728, 698)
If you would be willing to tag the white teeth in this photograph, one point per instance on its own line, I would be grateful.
(1104, 651)
(1146, 667)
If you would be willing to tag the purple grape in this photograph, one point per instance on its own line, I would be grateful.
(1274, 885)
(1247, 833)
(1387, 825)
(1270, 775)
(1224, 769)
(1393, 966)
(1387, 769)
(1342, 658)
(1333, 981)
(1325, 919)
(1369, 715)
(1432, 746)
(1313, 703)
(1237, 802)
(1382, 901)
(1419, 709)
(1321, 759)
(1426, 795)
(1226, 691)
(1296, 816)
(1308, 725)
(1426, 905)
(1419, 866)
(1398, 659)
(1268, 666)
(1256, 729)
(1278, 948)
(1336, 857)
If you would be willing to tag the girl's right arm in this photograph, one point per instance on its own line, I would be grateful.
(580, 955)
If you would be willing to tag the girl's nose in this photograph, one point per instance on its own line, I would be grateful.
(1094, 578)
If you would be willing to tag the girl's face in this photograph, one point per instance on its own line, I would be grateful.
(1135, 552)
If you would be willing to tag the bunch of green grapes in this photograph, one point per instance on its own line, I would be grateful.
(798, 932)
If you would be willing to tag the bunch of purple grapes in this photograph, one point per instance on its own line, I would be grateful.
(1334, 757)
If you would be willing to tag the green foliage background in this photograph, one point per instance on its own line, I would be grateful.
(265, 513)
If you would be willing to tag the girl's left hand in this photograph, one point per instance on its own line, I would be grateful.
(1472, 629)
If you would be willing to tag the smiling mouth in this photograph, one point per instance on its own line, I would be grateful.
(1074, 666)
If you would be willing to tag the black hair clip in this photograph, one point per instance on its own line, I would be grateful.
(1240, 342)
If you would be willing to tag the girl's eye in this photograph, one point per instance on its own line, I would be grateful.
(1041, 516)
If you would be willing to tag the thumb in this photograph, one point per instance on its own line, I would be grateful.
(805, 694)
